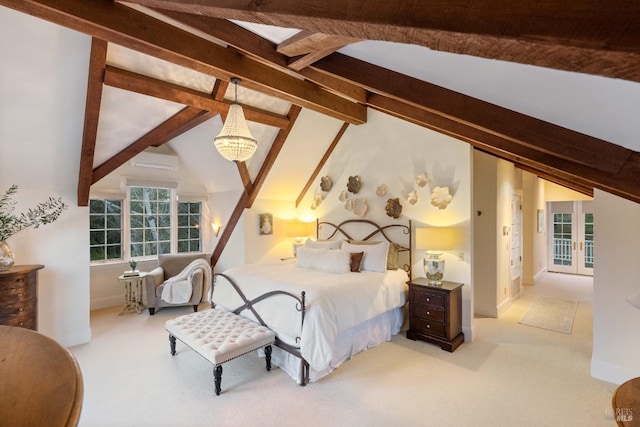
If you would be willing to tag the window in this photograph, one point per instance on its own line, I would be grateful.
(105, 219)
(150, 221)
(189, 227)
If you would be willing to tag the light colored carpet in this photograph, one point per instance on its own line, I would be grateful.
(553, 314)
(509, 376)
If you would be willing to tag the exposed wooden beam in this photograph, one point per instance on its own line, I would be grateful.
(623, 183)
(322, 162)
(183, 120)
(97, 63)
(139, 83)
(307, 42)
(248, 197)
(262, 50)
(516, 127)
(588, 36)
(127, 27)
(307, 47)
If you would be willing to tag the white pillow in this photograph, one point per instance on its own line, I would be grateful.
(375, 256)
(323, 244)
(329, 260)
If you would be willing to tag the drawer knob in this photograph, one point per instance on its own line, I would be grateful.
(428, 312)
(428, 326)
(21, 309)
(20, 280)
(20, 294)
(428, 299)
(21, 324)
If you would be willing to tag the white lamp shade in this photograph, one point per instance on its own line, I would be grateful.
(439, 238)
(300, 229)
(235, 141)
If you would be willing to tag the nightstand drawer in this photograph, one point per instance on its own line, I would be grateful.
(428, 297)
(429, 312)
(427, 326)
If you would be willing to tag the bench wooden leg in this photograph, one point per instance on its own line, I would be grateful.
(172, 344)
(267, 356)
(217, 374)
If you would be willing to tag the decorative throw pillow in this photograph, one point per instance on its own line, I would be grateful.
(323, 244)
(392, 256)
(329, 260)
(356, 261)
(375, 256)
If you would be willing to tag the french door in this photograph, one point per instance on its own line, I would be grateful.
(571, 237)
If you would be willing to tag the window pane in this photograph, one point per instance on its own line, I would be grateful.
(151, 248)
(96, 253)
(96, 238)
(183, 246)
(164, 208)
(164, 234)
(136, 207)
(163, 194)
(136, 221)
(137, 250)
(183, 208)
(137, 236)
(164, 221)
(195, 246)
(164, 247)
(113, 237)
(183, 233)
(96, 206)
(96, 222)
(194, 233)
(150, 235)
(114, 206)
(113, 252)
(113, 221)
(194, 208)
(183, 221)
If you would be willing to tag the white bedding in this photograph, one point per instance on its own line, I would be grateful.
(334, 302)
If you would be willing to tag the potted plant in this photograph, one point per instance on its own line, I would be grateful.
(11, 223)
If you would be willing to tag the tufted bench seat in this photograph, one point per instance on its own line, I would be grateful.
(219, 336)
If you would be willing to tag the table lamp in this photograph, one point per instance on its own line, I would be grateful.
(436, 240)
(299, 231)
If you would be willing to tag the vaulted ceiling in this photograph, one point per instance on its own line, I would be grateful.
(309, 69)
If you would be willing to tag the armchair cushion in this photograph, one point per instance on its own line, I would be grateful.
(171, 265)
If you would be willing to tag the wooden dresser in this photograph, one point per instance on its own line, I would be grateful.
(19, 296)
(435, 313)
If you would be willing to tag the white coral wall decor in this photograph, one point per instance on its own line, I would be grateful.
(348, 204)
(317, 200)
(422, 180)
(343, 196)
(360, 207)
(440, 197)
(412, 198)
(381, 190)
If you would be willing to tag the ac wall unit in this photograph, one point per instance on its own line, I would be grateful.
(155, 161)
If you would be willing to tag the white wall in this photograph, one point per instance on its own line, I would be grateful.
(392, 152)
(534, 255)
(616, 336)
(42, 97)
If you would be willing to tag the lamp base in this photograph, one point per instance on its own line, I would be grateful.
(434, 268)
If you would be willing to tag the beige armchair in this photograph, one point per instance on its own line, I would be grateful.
(172, 265)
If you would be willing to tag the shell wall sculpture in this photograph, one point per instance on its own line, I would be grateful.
(412, 198)
(440, 197)
(381, 190)
(326, 183)
(422, 180)
(354, 184)
(343, 196)
(360, 207)
(393, 208)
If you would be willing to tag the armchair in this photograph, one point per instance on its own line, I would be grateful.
(171, 265)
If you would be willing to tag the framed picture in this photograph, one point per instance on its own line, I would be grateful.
(540, 220)
(266, 224)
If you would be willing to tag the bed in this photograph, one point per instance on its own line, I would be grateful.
(323, 314)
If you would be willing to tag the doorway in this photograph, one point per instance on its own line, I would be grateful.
(571, 237)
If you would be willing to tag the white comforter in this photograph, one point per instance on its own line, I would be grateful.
(334, 302)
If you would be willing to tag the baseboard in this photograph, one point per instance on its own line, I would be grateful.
(539, 275)
(468, 333)
(73, 338)
(504, 306)
(610, 373)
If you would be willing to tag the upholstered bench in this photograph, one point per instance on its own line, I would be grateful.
(219, 336)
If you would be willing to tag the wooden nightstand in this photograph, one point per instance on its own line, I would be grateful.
(435, 313)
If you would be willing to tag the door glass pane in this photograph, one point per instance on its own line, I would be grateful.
(562, 239)
(588, 240)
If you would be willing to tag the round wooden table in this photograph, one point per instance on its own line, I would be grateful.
(40, 380)
(626, 403)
